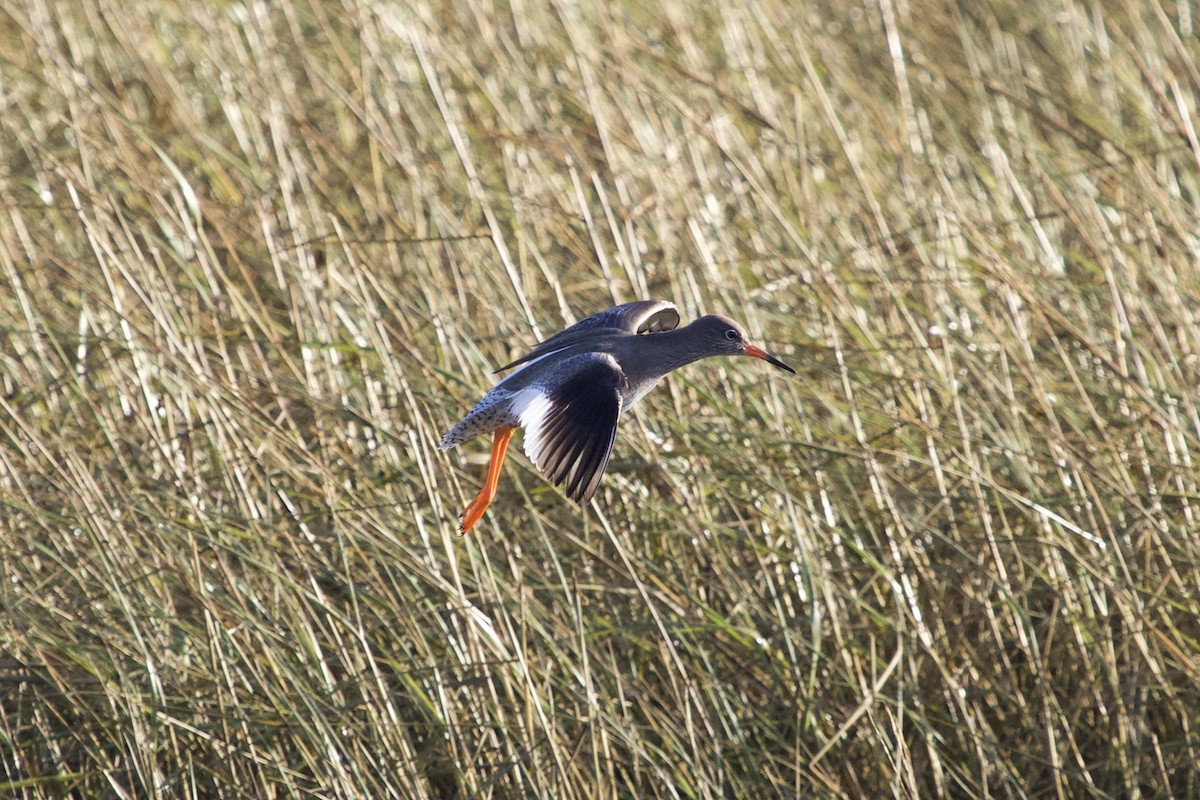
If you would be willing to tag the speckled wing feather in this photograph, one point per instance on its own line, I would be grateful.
(570, 424)
(642, 316)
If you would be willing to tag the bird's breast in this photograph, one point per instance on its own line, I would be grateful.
(637, 392)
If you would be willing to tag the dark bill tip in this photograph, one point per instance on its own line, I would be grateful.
(758, 352)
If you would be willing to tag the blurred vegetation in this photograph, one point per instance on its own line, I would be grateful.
(257, 257)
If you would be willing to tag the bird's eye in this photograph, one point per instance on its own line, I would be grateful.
(732, 335)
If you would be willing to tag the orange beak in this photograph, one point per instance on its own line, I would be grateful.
(758, 352)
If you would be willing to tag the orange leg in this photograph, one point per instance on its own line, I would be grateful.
(475, 510)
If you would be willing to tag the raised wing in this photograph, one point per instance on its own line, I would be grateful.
(641, 316)
(570, 423)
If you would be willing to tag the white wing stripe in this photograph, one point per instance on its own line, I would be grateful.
(531, 406)
(531, 362)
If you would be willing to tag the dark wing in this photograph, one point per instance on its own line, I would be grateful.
(571, 421)
(642, 316)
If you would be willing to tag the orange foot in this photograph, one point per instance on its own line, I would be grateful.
(475, 509)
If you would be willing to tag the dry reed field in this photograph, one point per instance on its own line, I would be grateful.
(257, 257)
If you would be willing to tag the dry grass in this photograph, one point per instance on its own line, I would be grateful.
(257, 257)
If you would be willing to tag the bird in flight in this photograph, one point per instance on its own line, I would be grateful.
(569, 391)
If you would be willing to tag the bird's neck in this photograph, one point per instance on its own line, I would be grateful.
(661, 353)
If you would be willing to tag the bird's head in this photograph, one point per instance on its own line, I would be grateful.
(719, 335)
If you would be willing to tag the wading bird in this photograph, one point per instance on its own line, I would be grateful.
(570, 390)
